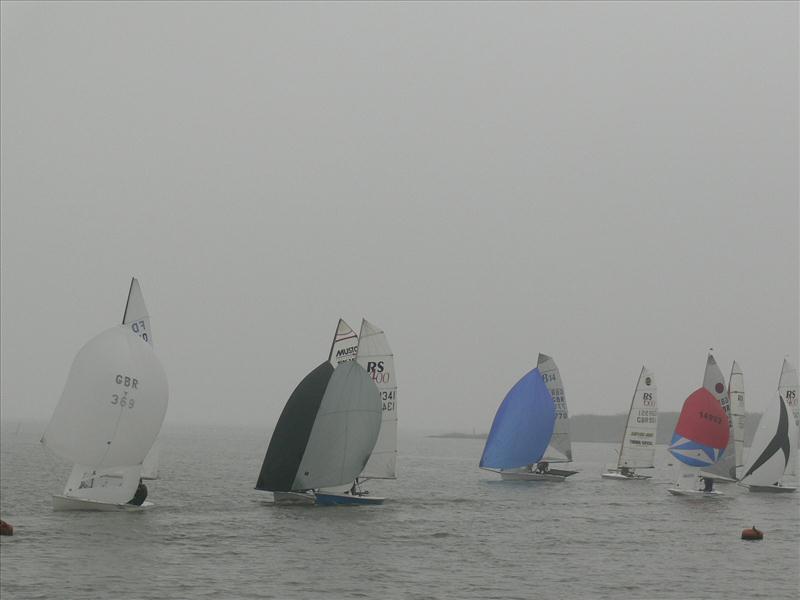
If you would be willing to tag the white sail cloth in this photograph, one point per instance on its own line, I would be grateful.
(560, 448)
(639, 442)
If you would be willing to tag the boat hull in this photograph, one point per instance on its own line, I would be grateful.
(63, 503)
(620, 477)
(772, 489)
(560, 472)
(695, 493)
(529, 476)
(327, 499)
(294, 498)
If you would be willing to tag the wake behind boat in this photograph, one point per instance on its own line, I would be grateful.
(521, 431)
(637, 450)
(109, 415)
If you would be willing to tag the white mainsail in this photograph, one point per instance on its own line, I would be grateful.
(345, 344)
(773, 444)
(736, 395)
(135, 315)
(639, 441)
(377, 359)
(344, 431)
(109, 415)
(788, 388)
(714, 382)
(138, 319)
(560, 448)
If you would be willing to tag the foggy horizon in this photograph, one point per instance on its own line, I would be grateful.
(614, 185)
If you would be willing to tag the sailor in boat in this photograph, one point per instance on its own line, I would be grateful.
(542, 467)
(625, 471)
(355, 489)
(708, 484)
(140, 495)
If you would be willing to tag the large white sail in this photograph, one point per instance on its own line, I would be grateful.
(714, 382)
(788, 389)
(344, 431)
(136, 316)
(150, 464)
(345, 344)
(377, 359)
(772, 446)
(736, 395)
(560, 448)
(113, 403)
(639, 441)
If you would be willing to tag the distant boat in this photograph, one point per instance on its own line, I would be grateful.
(375, 356)
(724, 470)
(736, 395)
(638, 447)
(138, 319)
(324, 435)
(788, 389)
(699, 441)
(560, 448)
(521, 431)
(108, 417)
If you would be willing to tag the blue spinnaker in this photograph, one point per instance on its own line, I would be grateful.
(522, 426)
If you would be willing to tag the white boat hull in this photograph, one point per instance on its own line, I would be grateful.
(620, 477)
(772, 489)
(70, 503)
(695, 493)
(294, 498)
(529, 476)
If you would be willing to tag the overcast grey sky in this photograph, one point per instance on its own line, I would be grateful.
(611, 184)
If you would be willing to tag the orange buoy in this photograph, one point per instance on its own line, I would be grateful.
(6, 528)
(752, 534)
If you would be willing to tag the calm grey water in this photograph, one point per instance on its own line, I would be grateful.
(449, 531)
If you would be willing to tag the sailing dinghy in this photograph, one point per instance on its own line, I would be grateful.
(774, 446)
(559, 449)
(109, 415)
(375, 356)
(724, 470)
(324, 435)
(521, 431)
(699, 441)
(639, 440)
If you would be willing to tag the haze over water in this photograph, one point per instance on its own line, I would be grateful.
(448, 530)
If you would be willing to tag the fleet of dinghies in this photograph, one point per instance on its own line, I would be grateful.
(338, 429)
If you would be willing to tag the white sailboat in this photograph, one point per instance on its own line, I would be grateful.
(324, 435)
(559, 449)
(375, 356)
(788, 389)
(773, 445)
(724, 470)
(138, 319)
(638, 447)
(736, 395)
(109, 415)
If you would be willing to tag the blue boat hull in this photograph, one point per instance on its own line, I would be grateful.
(323, 499)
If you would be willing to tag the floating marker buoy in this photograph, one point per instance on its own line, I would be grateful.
(6, 528)
(752, 534)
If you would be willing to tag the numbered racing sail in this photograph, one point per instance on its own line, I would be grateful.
(714, 382)
(375, 356)
(522, 426)
(788, 389)
(135, 315)
(639, 441)
(736, 395)
(772, 447)
(110, 412)
(560, 448)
